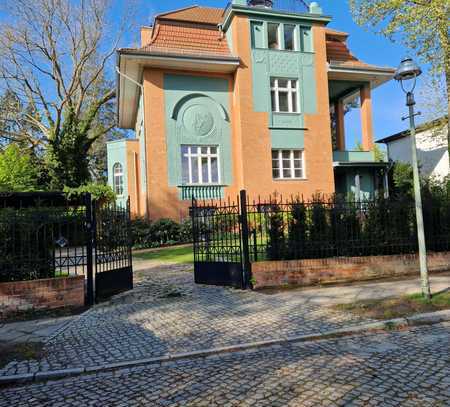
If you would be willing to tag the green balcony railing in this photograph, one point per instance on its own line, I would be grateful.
(353, 156)
(201, 191)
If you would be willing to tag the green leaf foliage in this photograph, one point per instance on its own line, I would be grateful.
(421, 25)
(99, 192)
(18, 173)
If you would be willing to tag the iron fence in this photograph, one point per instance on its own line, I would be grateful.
(48, 235)
(278, 229)
(42, 235)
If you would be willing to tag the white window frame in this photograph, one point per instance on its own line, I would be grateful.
(290, 90)
(118, 174)
(292, 162)
(294, 37)
(195, 152)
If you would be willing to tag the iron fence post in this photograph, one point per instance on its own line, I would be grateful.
(194, 226)
(130, 237)
(245, 237)
(90, 230)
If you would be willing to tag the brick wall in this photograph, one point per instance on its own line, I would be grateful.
(42, 294)
(342, 269)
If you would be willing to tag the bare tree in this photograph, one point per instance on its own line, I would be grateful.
(54, 55)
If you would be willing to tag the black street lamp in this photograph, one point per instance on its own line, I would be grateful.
(406, 74)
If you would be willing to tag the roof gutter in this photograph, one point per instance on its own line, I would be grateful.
(141, 87)
(369, 71)
(182, 57)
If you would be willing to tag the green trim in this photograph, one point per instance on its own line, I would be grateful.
(353, 156)
(197, 113)
(346, 184)
(288, 138)
(268, 63)
(116, 152)
(187, 192)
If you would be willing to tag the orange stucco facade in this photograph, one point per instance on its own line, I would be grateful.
(250, 139)
(250, 136)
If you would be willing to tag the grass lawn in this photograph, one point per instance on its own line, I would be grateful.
(180, 255)
(398, 307)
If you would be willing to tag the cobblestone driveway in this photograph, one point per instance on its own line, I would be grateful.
(408, 368)
(168, 313)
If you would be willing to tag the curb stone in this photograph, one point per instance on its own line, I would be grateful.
(398, 323)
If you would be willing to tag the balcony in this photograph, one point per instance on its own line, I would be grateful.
(353, 156)
(188, 192)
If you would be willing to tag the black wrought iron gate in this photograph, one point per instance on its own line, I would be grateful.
(220, 238)
(112, 249)
(52, 234)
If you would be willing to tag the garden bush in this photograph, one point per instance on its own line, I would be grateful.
(163, 232)
(26, 243)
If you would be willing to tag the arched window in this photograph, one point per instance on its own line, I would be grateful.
(118, 179)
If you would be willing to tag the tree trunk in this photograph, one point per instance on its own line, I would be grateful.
(447, 81)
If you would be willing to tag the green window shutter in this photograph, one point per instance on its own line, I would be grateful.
(306, 39)
(257, 28)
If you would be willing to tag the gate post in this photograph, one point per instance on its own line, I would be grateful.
(245, 236)
(90, 230)
(194, 225)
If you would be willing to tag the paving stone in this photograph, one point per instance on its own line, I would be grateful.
(167, 313)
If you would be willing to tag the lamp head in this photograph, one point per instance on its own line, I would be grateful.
(407, 69)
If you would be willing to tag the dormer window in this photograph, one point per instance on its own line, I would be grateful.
(273, 35)
(281, 36)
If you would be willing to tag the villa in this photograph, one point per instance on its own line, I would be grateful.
(246, 97)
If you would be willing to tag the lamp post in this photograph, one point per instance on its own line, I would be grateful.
(406, 73)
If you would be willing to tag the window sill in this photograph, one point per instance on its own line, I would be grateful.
(283, 50)
(289, 179)
(200, 185)
(287, 113)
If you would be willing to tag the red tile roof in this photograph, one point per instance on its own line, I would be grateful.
(337, 49)
(338, 52)
(195, 14)
(331, 32)
(173, 38)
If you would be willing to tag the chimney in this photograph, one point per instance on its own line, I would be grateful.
(146, 35)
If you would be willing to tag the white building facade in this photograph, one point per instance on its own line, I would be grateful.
(432, 148)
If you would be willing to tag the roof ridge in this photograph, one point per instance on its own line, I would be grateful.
(155, 33)
(337, 33)
(196, 14)
(176, 10)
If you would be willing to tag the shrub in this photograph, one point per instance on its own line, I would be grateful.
(319, 229)
(26, 244)
(276, 244)
(297, 230)
(148, 234)
(99, 192)
(166, 231)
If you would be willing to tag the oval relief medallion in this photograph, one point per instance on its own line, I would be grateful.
(198, 120)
